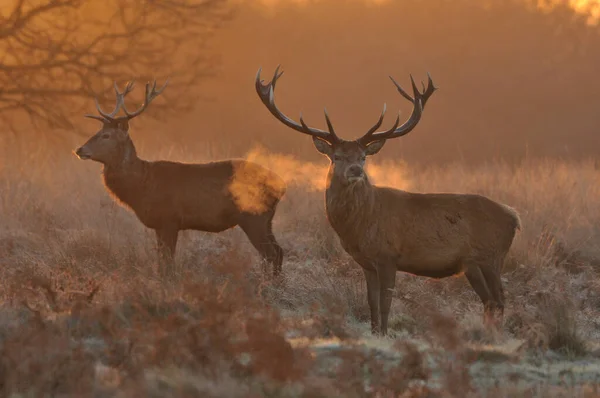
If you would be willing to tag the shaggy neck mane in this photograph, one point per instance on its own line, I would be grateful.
(124, 177)
(348, 205)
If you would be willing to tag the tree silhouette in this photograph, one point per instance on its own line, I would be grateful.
(55, 55)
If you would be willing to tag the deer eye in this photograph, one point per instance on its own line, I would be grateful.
(105, 136)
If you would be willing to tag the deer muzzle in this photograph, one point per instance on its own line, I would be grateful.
(83, 154)
(354, 173)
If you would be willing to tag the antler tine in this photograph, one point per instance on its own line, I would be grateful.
(304, 125)
(107, 116)
(276, 76)
(414, 86)
(163, 87)
(429, 91)
(394, 127)
(121, 96)
(119, 102)
(101, 118)
(128, 88)
(419, 100)
(401, 90)
(330, 125)
(365, 138)
(266, 93)
(151, 93)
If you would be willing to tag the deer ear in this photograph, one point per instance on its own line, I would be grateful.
(323, 146)
(375, 147)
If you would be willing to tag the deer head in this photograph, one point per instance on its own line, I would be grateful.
(111, 143)
(348, 157)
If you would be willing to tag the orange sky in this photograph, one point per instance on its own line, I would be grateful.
(511, 82)
(590, 8)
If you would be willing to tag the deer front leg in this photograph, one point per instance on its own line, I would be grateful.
(387, 282)
(373, 298)
(166, 242)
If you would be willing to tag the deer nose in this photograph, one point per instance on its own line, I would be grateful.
(354, 171)
(82, 153)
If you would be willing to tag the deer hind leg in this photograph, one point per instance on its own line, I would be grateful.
(387, 282)
(373, 298)
(166, 242)
(494, 283)
(478, 282)
(259, 229)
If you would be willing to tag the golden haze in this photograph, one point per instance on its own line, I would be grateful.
(506, 77)
(590, 8)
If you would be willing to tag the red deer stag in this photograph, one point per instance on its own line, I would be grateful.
(171, 196)
(387, 230)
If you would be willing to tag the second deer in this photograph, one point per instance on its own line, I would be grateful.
(170, 196)
(387, 230)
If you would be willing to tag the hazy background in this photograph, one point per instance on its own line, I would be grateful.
(82, 304)
(516, 77)
(513, 80)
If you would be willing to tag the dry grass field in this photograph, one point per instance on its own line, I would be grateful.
(84, 312)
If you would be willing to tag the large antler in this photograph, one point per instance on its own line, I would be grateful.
(266, 94)
(419, 100)
(151, 93)
(119, 103)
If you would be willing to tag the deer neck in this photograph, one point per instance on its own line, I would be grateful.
(125, 177)
(124, 159)
(348, 206)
